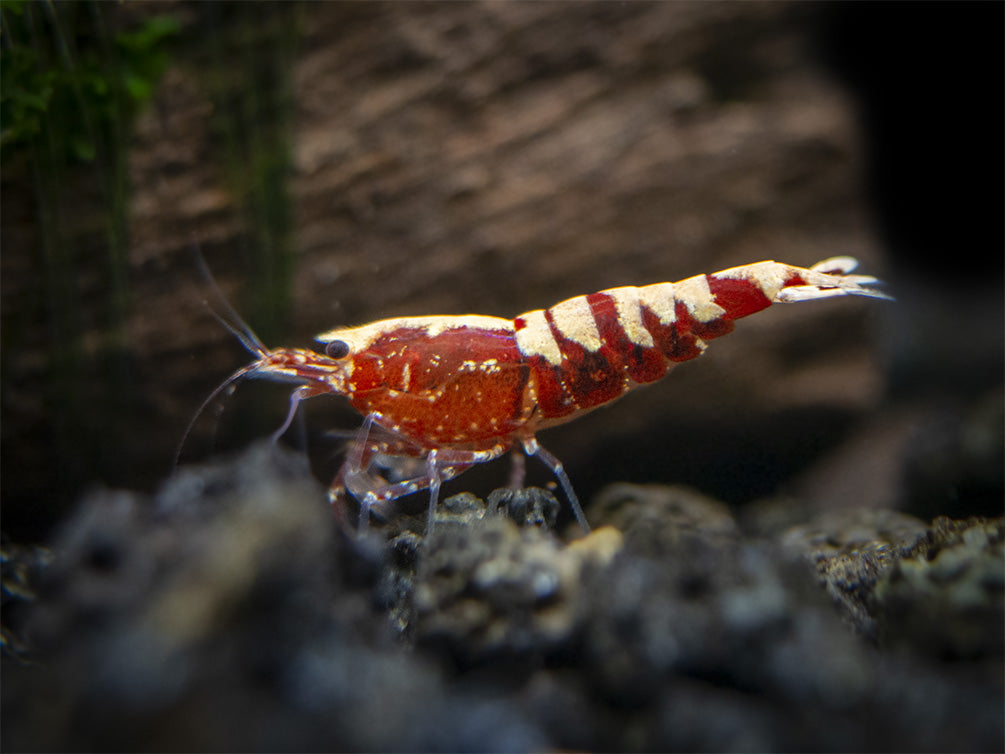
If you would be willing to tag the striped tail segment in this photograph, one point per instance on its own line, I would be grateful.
(591, 349)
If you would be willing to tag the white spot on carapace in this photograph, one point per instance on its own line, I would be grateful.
(626, 303)
(768, 276)
(490, 366)
(661, 301)
(574, 319)
(406, 377)
(694, 293)
(535, 339)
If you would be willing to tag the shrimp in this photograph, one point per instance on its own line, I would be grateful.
(450, 392)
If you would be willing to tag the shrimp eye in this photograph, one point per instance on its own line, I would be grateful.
(337, 349)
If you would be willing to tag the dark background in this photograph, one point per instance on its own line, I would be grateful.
(340, 163)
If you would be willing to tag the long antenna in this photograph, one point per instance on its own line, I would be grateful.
(228, 383)
(230, 318)
(236, 326)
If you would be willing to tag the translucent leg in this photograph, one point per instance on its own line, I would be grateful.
(433, 474)
(518, 469)
(531, 448)
(295, 397)
(353, 469)
(442, 465)
(368, 488)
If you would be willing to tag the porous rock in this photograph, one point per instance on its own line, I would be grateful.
(230, 611)
(493, 589)
(850, 550)
(945, 596)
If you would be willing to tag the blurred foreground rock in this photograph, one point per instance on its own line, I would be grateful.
(228, 612)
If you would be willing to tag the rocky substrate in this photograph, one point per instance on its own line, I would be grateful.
(230, 612)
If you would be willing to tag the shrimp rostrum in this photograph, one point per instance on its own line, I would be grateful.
(449, 392)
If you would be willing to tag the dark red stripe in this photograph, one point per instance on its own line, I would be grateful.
(552, 400)
(739, 298)
(642, 364)
(675, 341)
(612, 335)
(714, 329)
(589, 377)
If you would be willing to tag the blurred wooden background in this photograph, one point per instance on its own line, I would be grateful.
(339, 163)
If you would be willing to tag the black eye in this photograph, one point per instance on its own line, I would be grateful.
(337, 349)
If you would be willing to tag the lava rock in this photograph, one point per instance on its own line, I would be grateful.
(491, 589)
(232, 611)
(850, 550)
(225, 613)
(532, 506)
(945, 597)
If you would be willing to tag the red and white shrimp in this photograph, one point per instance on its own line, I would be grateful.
(454, 391)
